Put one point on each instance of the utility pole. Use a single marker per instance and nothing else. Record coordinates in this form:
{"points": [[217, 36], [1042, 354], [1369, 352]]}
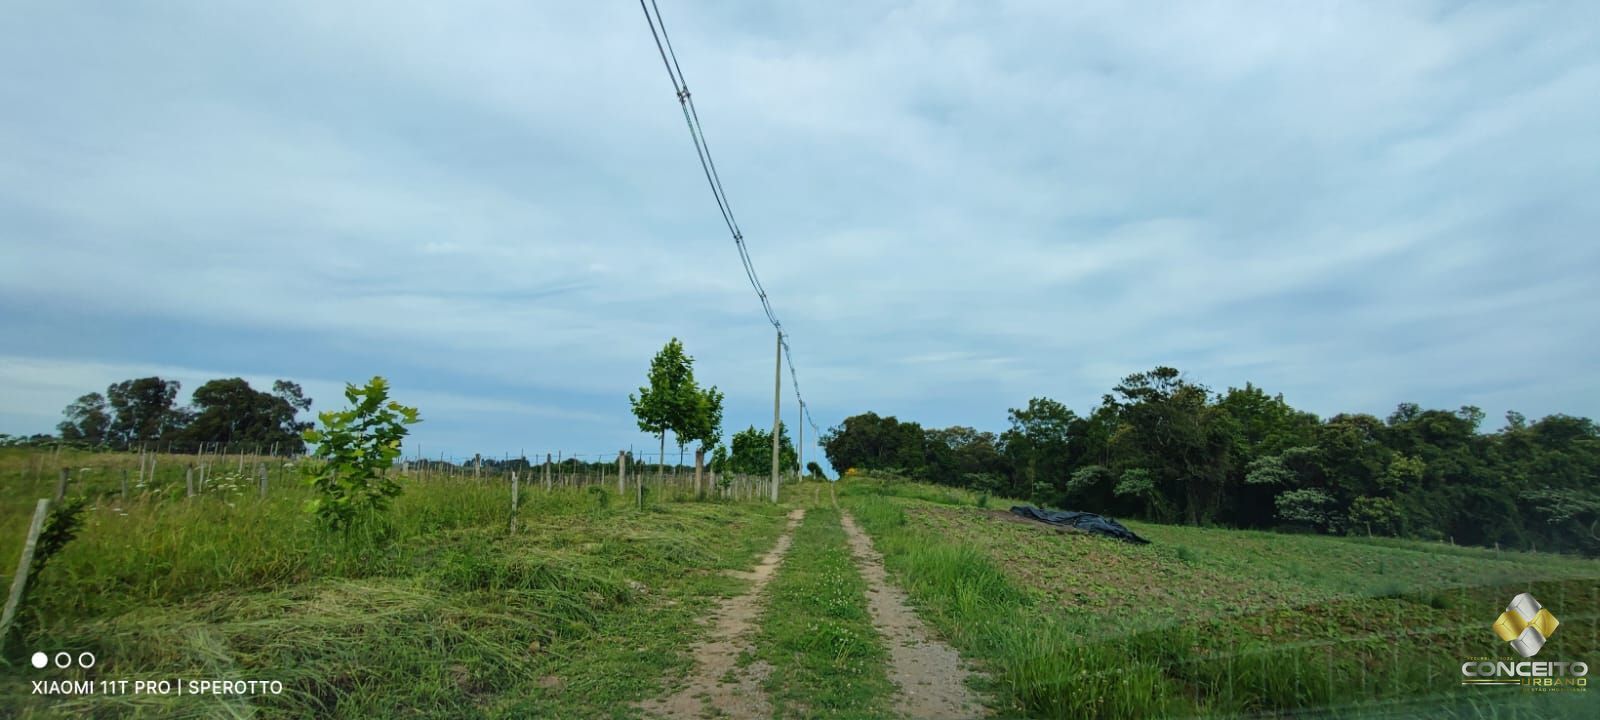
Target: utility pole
{"points": [[777, 388], [800, 445]]}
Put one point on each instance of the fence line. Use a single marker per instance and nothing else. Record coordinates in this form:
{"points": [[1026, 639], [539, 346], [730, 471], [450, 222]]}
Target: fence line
{"points": [[145, 470]]}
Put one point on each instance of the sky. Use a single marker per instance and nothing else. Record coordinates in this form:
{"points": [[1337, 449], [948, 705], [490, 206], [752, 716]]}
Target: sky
{"points": [[954, 206]]}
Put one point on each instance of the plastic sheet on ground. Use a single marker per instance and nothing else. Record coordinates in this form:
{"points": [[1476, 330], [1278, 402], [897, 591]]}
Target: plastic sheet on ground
{"points": [[1085, 521]]}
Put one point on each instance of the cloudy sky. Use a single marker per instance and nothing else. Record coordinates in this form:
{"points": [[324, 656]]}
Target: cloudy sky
{"points": [[955, 206]]}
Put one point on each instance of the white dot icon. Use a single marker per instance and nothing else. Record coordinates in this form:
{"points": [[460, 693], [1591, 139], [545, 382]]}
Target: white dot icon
{"points": [[40, 660]]}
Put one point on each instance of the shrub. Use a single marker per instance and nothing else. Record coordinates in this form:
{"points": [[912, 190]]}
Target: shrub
{"points": [[357, 446]]}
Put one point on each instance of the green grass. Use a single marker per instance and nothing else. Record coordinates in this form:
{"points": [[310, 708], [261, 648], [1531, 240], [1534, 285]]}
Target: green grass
{"points": [[827, 660], [439, 611], [1207, 621]]}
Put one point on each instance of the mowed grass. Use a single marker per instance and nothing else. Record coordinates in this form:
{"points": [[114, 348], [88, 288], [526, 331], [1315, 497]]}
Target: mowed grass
{"points": [[439, 611], [1220, 622], [826, 659]]}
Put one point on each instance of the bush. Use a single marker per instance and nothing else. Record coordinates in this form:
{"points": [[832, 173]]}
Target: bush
{"points": [[357, 447]]}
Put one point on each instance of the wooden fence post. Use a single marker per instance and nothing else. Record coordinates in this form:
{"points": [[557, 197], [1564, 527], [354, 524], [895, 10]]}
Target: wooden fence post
{"points": [[622, 473], [25, 564], [261, 471], [515, 492], [61, 484], [188, 480], [547, 472], [699, 467], [124, 484]]}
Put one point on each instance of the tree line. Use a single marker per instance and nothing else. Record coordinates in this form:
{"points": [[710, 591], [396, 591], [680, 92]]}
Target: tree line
{"points": [[227, 411], [1163, 448]]}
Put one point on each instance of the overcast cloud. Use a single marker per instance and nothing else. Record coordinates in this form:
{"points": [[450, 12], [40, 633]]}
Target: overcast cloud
{"points": [[955, 206]]}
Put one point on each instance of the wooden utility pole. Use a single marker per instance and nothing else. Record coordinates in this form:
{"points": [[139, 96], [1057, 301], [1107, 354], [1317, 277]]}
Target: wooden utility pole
{"points": [[777, 388], [800, 445]]}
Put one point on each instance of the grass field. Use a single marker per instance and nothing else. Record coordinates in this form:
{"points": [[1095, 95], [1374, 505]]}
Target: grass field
{"points": [[592, 605], [442, 613], [1205, 621]]}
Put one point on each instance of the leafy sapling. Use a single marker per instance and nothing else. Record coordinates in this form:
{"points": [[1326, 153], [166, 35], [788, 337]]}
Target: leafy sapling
{"points": [[356, 447]]}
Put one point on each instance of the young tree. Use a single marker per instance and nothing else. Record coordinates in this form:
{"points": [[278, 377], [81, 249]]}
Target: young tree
{"points": [[357, 447], [752, 452], [672, 400], [704, 424], [719, 459]]}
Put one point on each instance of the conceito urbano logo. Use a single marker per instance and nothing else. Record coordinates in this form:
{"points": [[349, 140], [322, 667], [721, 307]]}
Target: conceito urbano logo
{"points": [[1526, 625]]}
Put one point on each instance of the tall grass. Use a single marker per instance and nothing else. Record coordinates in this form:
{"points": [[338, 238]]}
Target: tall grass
{"points": [[436, 608], [1358, 655]]}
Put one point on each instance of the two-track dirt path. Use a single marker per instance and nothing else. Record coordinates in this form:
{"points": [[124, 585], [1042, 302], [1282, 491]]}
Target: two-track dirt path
{"points": [[717, 657], [929, 673]]}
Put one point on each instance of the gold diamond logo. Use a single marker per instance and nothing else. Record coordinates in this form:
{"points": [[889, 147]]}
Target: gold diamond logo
{"points": [[1526, 625]]}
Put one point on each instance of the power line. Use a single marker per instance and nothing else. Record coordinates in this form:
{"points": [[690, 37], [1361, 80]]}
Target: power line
{"points": [[691, 117]]}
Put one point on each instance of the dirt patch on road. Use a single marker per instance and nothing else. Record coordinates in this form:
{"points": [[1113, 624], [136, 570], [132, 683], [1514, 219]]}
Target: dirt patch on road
{"points": [[719, 687], [929, 673]]}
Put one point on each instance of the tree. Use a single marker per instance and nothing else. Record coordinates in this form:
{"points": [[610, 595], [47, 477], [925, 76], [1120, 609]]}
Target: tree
{"points": [[357, 446], [671, 401], [870, 442], [1039, 445], [229, 411], [1308, 506], [1169, 427], [752, 452], [87, 420], [143, 411], [705, 423], [291, 393], [815, 470], [951, 454]]}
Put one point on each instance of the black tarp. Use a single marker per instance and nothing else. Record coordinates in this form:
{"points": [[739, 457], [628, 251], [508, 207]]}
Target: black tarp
{"points": [[1087, 522]]}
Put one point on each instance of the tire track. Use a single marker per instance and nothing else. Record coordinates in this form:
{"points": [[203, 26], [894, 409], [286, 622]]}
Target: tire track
{"points": [[708, 693], [929, 673]]}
